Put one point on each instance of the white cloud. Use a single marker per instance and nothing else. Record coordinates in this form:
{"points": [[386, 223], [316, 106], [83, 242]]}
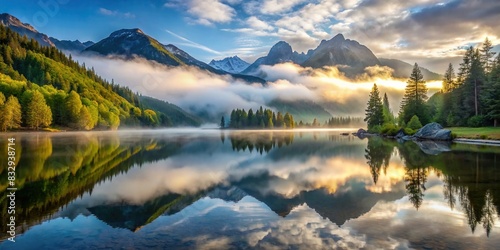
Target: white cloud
{"points": [[206, 12], [258, 24], [115, 13], [193, 44]]}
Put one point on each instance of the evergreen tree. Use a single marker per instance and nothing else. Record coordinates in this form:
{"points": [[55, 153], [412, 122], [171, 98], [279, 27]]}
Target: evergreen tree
{"points": [[223, 122], [387, 113], [38, 112], [279, 120], [487, 55], [449, 79], [414, 98], [374, 111], [493, 93]]}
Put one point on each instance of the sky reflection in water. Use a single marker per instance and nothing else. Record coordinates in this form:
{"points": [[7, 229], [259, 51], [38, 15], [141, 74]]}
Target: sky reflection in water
{"points": [[311, 190]]}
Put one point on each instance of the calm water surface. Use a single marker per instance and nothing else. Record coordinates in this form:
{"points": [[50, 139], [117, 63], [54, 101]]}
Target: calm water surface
{"points": [[211, 189]]}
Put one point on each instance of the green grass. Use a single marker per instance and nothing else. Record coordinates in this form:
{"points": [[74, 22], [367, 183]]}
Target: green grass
{"points": [[486, 133]]}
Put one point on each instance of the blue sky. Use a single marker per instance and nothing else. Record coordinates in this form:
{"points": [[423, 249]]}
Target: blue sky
{"points": [[430, 32]]}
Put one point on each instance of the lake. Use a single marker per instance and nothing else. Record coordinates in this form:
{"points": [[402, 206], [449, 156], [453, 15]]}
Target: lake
{"points": [[213, 189]]}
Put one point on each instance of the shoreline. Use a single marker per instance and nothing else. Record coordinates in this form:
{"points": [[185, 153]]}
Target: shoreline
{"points": [[477, 141]]}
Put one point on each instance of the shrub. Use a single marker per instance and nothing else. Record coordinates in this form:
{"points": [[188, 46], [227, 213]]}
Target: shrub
{"points": [[414, 123], [409, 131], [389, 129], [453, 136], [483, 137], [476, 121], [375, 129]]}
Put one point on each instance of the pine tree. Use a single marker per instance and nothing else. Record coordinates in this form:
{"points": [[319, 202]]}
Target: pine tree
{"points": [[374, 111], [449, 79], [487, 55], [414, 98], [493, 93], [38, 112], [223, 122]]}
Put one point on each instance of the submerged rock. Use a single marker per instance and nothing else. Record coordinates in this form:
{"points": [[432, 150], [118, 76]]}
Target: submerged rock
{"points": [[433, 131]]}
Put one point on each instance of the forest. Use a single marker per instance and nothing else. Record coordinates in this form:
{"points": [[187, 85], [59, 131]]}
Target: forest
{"points": [[41, 87], [470, 98]]}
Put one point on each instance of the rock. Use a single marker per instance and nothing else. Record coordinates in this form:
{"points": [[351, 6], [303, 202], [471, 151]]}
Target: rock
{"points": [[400, 134], [433, 147], [344, 134], [433, 131]]}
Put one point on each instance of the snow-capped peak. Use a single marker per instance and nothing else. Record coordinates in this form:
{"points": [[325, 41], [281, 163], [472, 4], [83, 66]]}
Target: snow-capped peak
{"points": [[233, 65]]}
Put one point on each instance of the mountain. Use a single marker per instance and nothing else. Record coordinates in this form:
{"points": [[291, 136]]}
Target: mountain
{"points": [[24, 29], [134, 43], [403, 69], [281, 52], [341, 51], [232, 65], [131, 43], [67, 45], [27, 30], [27, 69]]}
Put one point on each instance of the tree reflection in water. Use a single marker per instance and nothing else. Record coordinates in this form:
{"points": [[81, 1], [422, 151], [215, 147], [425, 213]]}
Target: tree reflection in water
{"points": [[470, 175]]}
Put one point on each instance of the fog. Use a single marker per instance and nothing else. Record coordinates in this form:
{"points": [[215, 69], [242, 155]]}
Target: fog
{"points": [[200, 91]]}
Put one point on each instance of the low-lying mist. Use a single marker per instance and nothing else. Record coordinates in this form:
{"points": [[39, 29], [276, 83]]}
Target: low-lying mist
{"points": [[200, 91]]}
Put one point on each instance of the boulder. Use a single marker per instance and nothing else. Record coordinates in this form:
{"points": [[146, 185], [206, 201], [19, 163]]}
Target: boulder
{"points": [[400, 134], [433, 131]]}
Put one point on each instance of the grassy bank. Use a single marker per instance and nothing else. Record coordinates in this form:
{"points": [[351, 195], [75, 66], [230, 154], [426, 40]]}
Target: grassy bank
{"points": [[487, 133]]}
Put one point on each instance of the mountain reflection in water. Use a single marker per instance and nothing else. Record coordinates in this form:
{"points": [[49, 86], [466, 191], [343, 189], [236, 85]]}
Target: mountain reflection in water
{"points": [[250, 189]]}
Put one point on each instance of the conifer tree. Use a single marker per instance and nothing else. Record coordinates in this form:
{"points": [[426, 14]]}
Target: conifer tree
{"points": [[374, 112], [414, 98], [449, 79]]}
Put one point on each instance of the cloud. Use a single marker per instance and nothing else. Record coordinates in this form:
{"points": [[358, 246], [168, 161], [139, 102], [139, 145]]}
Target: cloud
{"points": [[193, 44], [205, 12], [270, 7], [115, 13]]}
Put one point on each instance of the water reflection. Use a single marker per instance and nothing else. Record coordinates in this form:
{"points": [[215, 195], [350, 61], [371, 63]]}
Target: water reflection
{"points": [[288, 189]]}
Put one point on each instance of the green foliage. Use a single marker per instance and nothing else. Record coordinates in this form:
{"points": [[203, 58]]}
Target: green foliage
{"points": [[38, 112], [409, 131], [414, 123], [476, 121], [263, 118], [173, 115], [389, 129], [374, 111], [375, 129], [25, 66], [414, 98], [10, 113]]}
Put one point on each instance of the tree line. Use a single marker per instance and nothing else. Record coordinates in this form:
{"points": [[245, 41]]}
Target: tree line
{"points": [[262, 118], [470, 98]]}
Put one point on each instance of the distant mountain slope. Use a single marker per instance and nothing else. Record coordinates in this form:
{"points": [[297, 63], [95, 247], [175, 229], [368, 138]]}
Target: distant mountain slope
{"points": [[27, 30], [67, 45], [177, 116], [232, 65], [133, 43], [24, 29], [341, 51], [281, 52], [403, 69], [301, 110]]}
